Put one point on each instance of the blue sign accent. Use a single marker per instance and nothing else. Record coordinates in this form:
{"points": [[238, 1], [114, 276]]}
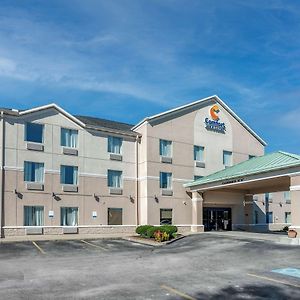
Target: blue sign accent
{"points": [[288, 272], [215, 126]]}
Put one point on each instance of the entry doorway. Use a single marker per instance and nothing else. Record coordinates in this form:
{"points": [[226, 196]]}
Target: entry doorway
{"points": [[216, 218]]}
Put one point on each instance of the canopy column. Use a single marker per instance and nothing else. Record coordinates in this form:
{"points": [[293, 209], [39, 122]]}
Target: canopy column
{"points": [[197, 212], [248, 209], [295, 203]]}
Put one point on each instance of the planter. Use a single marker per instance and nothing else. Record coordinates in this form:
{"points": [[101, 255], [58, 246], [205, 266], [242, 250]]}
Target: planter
{"points": [[292, 233]]}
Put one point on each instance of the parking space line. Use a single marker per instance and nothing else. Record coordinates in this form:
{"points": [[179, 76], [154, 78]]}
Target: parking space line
{"points": [[274, 280], [93, 245], [176, 292], [38, 247]]}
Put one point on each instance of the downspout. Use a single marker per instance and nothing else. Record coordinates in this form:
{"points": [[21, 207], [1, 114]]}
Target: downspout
{"points": [[137, 179], [2, 177]]}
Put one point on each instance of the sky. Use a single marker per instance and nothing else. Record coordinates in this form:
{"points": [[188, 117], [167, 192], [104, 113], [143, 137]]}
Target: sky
{"points": [[125, 60]]}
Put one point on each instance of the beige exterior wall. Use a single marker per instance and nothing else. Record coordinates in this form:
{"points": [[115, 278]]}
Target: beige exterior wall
{"points": [[185, 131], [92, 161], [141, 190]]}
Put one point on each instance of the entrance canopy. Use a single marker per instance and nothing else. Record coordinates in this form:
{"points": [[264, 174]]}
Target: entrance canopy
{"points": [[268, 173]]}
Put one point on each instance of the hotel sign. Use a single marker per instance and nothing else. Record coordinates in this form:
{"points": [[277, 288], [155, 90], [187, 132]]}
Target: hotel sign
{"points": [[213, 124]]}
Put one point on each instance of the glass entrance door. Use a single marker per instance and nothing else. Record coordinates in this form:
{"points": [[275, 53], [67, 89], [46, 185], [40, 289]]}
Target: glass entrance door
{"points": [[216, 218]]}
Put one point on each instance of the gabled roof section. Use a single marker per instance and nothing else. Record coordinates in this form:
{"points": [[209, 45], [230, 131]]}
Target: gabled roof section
{"points": [[256, 165], [173, 113], [54, 106], [83, 121], [97, 122]]}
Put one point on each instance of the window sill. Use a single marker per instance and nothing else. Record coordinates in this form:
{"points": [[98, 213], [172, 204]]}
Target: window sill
{"points": [[115, 191], [166, 159], [199, 164], [70, 188], [34, 186], [166, 192], [70, 151], [34, 146], [115, 156]]}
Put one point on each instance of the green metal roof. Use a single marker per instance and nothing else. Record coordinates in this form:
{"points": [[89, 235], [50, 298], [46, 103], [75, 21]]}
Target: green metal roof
{"points": [[256, 165]]}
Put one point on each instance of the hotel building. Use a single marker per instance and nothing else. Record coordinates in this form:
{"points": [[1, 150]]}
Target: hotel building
{"points": [[64, 174]]}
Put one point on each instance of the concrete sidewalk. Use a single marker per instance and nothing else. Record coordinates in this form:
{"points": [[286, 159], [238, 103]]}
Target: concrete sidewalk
{"points": [[272, 237]]}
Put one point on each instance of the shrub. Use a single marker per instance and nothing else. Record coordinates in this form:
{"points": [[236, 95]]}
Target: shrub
{"points": [[151, 230], [285, 228], [142, 230], [169, 229]]}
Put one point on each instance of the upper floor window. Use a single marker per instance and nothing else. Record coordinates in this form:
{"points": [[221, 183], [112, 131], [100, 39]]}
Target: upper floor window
{"points": [[269, 197], [33, 172], [69, 175], [199, 153], [34, 133], [227, 158], [69, 137], [114, 145], [114, 178], [165, 148], [165, 180], [287, 195]]}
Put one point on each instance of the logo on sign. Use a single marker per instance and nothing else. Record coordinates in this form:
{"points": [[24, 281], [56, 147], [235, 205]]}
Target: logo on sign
{"points": [[214, 113], [213, 124]]}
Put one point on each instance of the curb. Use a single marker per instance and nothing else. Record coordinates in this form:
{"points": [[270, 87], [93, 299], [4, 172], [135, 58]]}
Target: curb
{"points": [[150, 242]]}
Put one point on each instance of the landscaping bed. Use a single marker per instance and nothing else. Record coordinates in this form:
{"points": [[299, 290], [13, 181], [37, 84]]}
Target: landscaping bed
{"points": [[156, 235]]}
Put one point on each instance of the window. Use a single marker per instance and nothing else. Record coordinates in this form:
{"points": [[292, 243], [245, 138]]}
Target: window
{"points": [[69, 216], [165, 180], [269, 217], [114, 178], [165, 216], [114, 144], [196, 177], [269, 197], [288, 217], [33, 172], [33, 215], [69, 137], [287, 195], [115, 216], [199, 153], [34, 133], [251, 156], [227, 159], [165, 148], [255, 217], [69, 175]]}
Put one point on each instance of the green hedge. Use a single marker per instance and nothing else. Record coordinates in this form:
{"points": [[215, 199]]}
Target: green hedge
{"points": [[142, 229], [149, 230]]}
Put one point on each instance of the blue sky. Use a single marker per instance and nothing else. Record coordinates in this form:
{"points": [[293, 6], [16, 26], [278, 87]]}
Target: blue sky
{"points": [[125, 60]]}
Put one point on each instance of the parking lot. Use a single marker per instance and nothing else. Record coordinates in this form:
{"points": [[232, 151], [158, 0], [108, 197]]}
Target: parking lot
{"points": [[206, 266]]}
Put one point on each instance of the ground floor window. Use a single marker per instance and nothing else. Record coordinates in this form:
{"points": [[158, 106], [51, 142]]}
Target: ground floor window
{"points": [[269, 217], [69, 216], [165, 216], [33, 215], [115, 216], [255, 217], [288, 217]]}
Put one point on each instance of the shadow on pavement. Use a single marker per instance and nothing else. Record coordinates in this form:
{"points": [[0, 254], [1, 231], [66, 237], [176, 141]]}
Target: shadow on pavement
{"points": [[251, 292]]}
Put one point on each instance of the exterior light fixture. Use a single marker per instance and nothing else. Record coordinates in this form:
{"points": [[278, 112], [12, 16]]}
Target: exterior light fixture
{"points": [[156, 199]]}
